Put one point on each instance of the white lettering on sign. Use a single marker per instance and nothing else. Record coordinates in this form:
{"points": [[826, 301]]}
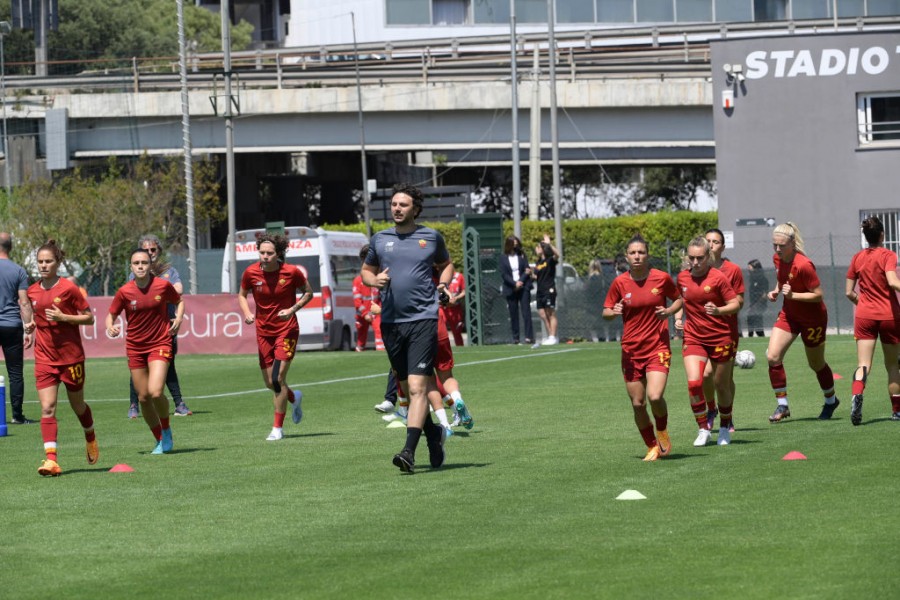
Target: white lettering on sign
{"points": [[828, 63]]}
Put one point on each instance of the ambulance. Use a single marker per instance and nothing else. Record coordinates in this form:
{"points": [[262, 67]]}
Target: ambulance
{"points": [[330, 261]]}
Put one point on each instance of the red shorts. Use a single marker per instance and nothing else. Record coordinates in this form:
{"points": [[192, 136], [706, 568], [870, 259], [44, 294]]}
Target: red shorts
{"points": [[277, 347], [50, 375], [721, 353], [635, 368], [872, 329], [140, 360], [811, 332], [444, 360]]}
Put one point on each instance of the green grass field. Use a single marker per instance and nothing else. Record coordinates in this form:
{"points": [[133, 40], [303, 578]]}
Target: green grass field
{"points": [[525, 507]]}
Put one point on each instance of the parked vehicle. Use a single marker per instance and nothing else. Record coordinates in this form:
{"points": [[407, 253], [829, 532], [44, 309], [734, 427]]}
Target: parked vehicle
{"points": [[330, 261]]}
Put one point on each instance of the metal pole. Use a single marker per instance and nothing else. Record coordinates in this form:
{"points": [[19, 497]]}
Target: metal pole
{"points": [[362, 133], [4, 29], [229, 146], [554, 135], [534, 167], [514, 87], [188, 163]]}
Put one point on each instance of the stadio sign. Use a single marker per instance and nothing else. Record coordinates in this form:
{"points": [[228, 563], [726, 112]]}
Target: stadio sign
{"points": [[825, 63]]}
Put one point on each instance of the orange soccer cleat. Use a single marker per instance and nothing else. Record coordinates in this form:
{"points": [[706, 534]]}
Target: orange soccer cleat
{"points": [[49, 468]]}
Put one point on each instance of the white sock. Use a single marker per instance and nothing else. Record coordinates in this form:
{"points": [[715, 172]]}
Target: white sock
{"points": [[456, 395], [442, 417], [782, 401]]}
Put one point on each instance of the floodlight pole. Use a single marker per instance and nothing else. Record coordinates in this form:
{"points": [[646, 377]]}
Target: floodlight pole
{"points": [[514, 85], [229, 147], [554, 134], [5, 28], [362, 133], [188, 163]]}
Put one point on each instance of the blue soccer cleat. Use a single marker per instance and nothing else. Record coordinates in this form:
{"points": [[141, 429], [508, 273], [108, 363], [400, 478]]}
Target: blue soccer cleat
{"points": [[465, 418], [297, 408], [166, 441]]}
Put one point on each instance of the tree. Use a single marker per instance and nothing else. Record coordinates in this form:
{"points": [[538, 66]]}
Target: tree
{"points": [[107, 30], [661, 188], [97, 220]]}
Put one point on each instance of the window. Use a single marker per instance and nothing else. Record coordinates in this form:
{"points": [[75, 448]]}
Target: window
{"points": [[884, 8], [878, 116], [488, 12], [851, 8], [531, 11], [450, 12], [655, 11], [407, 12], [769, 10], [891, 221], [728, 10], [694, 10], [574, 11], [615, 11], [811, 9]]}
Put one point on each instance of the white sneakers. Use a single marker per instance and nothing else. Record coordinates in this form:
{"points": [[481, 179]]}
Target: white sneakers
{"points": [[724, 437], [702, 437], [384, 407], [277, 434], [550, 341]]}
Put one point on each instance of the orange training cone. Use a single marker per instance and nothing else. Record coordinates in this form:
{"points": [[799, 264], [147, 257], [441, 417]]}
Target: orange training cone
{"points": [[794, 456], [121, 468]]}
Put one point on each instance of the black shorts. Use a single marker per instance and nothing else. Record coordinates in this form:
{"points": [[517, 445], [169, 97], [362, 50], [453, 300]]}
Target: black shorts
{"points": [[411, 347], [546, 300]]}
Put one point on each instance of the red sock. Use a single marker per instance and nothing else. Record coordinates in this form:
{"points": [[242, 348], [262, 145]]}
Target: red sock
{"points": [[826, 381], [778, 378], [49, 430], [440, 387], [857, 387], [279, 419], [895, 403], [290, 394], [87, 423], [164, 422], [648, 435], [711, 404], [157, 432], [699, 409]]}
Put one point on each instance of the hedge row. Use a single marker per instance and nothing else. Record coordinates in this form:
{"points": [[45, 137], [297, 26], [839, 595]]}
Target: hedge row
{"points": [[587, 239]]}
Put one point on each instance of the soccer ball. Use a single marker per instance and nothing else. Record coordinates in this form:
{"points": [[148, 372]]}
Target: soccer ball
{"points": [[745, 359]]}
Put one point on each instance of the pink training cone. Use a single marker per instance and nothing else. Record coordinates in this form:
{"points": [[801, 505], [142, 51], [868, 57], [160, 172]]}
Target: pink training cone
{"points": [[121, 468], [794, 456], [836, 376]]}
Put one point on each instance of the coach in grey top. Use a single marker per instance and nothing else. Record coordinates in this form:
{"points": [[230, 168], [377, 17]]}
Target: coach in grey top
{"points": [[16, 325], [402, 262]]}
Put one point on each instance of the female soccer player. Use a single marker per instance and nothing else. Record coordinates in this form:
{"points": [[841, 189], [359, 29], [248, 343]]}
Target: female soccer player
{"points": [[59, 309], [274, 284], [708, 299], [639, 296], [803, 313], [148, 345], [871, 285], [716, 240]]}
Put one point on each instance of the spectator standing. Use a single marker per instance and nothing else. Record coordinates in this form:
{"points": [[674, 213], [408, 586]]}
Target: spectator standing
{"points": [[16, 326], [545, 273], [757, 294], [517, 280]]}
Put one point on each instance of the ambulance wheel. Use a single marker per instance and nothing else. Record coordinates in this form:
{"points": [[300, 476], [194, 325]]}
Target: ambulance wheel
{"points": [[345, 340]]}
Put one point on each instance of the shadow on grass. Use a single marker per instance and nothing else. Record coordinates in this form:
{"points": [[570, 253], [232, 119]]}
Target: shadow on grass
{"points": [[452, 466], [308, 435], [180, 451], [84, 470]]}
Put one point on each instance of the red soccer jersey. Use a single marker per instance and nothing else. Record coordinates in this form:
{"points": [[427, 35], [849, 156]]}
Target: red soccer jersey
{"points": [[273, 292], [146, 311], [700, 327], [643, 332], [735, 277], [57, 343], [877, 300], [801, 274], [457, 286]]}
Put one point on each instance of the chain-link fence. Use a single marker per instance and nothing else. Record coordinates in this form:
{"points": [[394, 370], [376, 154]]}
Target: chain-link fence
{"points": [[580, 297]]}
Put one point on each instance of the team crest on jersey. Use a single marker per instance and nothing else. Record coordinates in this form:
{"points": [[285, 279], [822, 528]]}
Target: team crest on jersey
{"points": [[707, 289], [166, 276], [790, 276], [422, 243], [57, 300], [282, 281], [655, 291], [157, 297]]}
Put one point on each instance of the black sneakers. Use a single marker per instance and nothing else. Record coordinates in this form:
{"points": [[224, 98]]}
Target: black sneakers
{"points": [[856, 409], [828, 410], [405, 461], [22, 420]]}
